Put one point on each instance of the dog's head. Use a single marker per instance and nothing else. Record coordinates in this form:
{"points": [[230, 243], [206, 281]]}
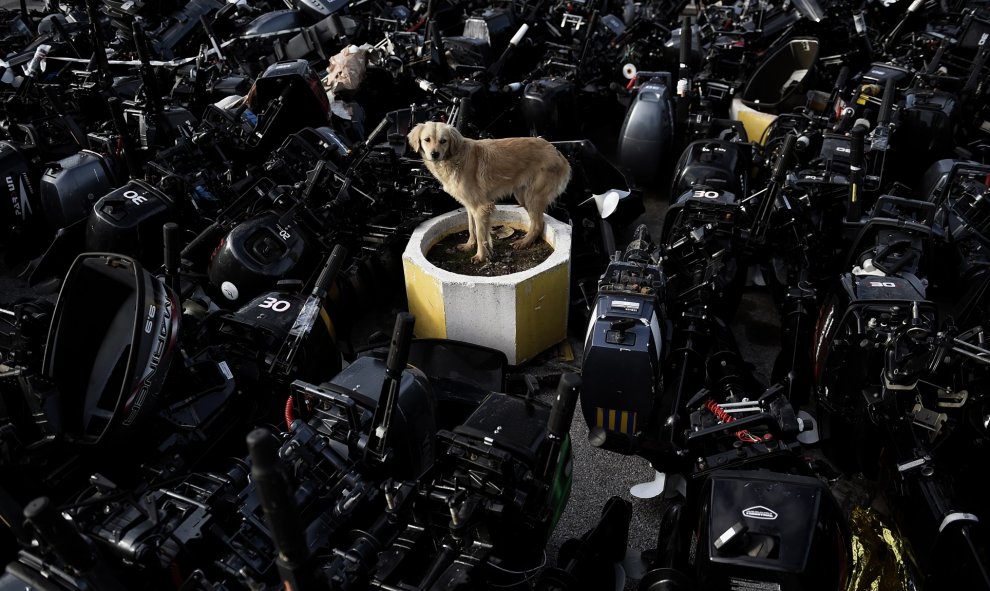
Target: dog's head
{"points": [[435, 141]]}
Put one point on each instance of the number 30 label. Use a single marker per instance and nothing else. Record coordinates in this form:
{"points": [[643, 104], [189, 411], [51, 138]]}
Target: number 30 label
{"points": [[275, 304]]}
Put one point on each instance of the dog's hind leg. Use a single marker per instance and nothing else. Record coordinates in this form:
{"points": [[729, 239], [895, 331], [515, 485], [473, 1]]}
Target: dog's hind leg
{"points": [[534, 205], [472, 239], [482, 231]]}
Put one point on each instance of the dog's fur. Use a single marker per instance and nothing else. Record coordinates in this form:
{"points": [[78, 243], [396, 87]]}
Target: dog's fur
{"points": [[477, 173]]}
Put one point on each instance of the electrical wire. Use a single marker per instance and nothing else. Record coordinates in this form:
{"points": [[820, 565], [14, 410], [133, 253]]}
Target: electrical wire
{"points": [[529, 573]]}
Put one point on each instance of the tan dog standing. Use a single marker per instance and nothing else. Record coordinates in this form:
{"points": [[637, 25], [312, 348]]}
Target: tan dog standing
{"points": [[477, 173]]}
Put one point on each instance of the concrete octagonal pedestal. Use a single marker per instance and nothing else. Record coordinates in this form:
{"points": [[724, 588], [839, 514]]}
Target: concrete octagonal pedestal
{"points": [[520, 314]]}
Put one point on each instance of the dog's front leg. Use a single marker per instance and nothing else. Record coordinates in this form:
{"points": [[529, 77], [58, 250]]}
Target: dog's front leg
{"points": [[471, 235], [482, 231]]}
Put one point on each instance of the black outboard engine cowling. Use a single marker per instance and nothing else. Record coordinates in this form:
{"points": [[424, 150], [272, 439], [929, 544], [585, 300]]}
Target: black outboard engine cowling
{"points": [[700, 235], [864, 311], [549, 108], [778, 85], [18, 206], [320, 9], [288, 96], [628, 330], [129, 221], [414, 421], [647, 135], [719, 164], [258, 253], [880, 303], [625, 333], [111, 342], [70, 186], [926, 127], [768, 530], [275, 313]]}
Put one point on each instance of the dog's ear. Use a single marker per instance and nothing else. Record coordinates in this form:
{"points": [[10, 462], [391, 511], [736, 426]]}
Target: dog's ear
{"points": [[413, 136], [456, 140]]}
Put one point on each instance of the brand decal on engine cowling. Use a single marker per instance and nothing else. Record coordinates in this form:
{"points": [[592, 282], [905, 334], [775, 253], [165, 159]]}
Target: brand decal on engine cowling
{"points": [[166, 332], [760, 512], [19, 198], [825, 321], [626, 305]]}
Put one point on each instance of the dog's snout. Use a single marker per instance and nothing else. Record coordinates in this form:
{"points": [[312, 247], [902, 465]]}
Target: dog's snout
{"points": [[434, 154]]}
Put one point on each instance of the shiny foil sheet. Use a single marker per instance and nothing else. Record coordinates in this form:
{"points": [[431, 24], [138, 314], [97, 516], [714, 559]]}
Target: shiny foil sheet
{"points": [[882, 558]]}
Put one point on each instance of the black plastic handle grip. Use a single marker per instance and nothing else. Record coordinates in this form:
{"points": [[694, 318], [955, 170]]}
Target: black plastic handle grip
{"points": [[137, 30], [141, 47], [842, 78], [313, 180], [780, 171], [99, 47], [398, 351], [170, 238], [889, 93], [856, 146], [562, 412], [280, 509], [330, 270], [685, 42], [116, 108], [976, 71]]}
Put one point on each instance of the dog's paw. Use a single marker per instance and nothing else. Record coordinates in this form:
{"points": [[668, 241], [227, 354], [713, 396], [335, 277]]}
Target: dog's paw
{"points": [[478, 259], [466, 246], [522, 243]]}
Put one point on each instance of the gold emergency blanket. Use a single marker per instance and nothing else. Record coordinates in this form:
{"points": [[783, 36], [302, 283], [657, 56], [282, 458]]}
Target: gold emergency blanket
{"points": [[882, 560]]}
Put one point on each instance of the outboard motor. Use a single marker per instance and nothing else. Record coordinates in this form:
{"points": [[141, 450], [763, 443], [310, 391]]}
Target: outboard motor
{"points": [[646, 139], [258, 253], [288, 96], [70, 186], [129, 221], [19, 206], [927, 124], [319, 9], [778, 85], [701, 237], [958, 188], [414, 419], [866, 308], [111, 341], [549, 108], [628, 330], [717, 164], [275, 314], [770, 530], [269, 24]]}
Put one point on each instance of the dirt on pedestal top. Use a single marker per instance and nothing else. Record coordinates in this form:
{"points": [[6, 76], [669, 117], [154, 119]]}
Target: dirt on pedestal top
{"points": [[504, 259]]}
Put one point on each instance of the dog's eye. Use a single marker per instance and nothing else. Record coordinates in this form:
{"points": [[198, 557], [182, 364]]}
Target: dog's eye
{"points": [[443, 141], [427, 140]]}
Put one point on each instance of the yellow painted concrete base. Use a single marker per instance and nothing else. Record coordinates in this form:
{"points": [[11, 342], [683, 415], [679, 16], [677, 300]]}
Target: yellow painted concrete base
{"points": [[521, 314]]}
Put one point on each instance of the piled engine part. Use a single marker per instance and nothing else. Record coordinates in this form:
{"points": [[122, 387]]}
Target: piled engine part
{"points": [[205, 209], [402, 500]]}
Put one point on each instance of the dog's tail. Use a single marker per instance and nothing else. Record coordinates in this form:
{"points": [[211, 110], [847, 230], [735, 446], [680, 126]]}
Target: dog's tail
{"points": [[562, 168]]}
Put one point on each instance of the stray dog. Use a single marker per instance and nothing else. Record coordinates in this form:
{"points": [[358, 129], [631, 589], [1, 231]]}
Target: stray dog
{"points": [[477, 173]]}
